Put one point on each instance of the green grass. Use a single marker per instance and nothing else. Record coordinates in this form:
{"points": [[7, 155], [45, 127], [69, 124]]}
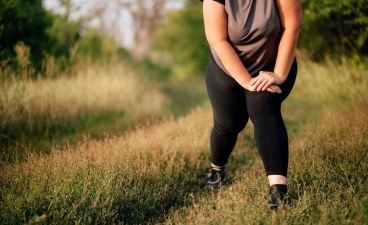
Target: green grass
{"points": [[154, 173]]}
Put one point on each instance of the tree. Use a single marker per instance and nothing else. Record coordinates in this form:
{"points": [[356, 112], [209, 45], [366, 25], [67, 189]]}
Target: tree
{"points": [[181, 36], [24, 21], [337, 28], [65, 35], [145, 17]]}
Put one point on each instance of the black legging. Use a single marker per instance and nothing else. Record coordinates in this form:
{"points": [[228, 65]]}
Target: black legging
{"points": [[232, 106]]}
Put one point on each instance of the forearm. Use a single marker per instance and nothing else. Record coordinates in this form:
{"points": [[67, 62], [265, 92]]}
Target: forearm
{"points": [[231, 62], [286, 53], [290, 12], [216, 22]]}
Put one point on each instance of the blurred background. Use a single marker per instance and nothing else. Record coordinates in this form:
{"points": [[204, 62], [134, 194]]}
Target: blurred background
{"points": [[74, 67]]}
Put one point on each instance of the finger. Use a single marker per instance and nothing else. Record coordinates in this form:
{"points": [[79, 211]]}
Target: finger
{"points": [[267, 85], [263, 85], [257, 81], [272, 87], [253, 81], [263, 81], [251, 89], [272, 90], [276, 88], [260, 77]]}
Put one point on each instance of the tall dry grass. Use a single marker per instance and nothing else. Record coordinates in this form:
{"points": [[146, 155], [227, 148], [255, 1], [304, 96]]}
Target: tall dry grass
{"points": [[331, 83], [96, 89], [155, 173], [49, 106]]}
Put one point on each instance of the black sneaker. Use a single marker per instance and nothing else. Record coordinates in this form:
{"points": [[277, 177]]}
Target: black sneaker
{"points": [[215, 177], [276, 196]]}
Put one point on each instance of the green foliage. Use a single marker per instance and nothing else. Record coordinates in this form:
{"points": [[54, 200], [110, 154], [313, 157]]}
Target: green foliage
{"points": [[64, 33], [96, 45], [335, 28], [332, 28], [24, 21], [92, 44], [181, 40], [50, 39]]}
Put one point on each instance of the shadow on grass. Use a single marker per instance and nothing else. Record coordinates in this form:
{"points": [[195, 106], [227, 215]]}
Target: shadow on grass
{"points": [[41, 139]]}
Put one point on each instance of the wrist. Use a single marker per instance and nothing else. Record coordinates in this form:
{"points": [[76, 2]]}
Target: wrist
{"points": [[244, 80], [280, 78]]}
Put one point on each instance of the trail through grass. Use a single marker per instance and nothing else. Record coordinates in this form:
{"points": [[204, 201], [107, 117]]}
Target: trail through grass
{"points": [[38, 112], [155, 173]]}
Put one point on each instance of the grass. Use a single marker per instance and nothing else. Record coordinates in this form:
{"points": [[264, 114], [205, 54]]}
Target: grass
{"points": [[143, 180], [88, 98], [327, 181], [153, 174], [45, 109]]}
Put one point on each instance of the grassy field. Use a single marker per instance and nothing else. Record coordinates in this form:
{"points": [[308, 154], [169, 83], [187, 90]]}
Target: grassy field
{"points": [[36, 113], [154, 174]]}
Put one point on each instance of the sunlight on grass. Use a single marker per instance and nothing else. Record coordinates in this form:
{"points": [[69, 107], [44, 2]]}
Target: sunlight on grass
{"points": [[327, 181], [155, 172], [46, 107]]}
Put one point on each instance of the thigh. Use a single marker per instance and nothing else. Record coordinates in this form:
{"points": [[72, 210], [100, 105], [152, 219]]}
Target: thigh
{"points": [[227, 98]]}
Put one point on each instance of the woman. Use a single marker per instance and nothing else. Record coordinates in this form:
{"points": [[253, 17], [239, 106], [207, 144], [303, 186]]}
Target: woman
{"points": [[251, 71]]}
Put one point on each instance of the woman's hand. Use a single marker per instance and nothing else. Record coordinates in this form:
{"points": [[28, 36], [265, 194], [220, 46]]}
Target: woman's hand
{"points": [[271, 88], [265, 80]]}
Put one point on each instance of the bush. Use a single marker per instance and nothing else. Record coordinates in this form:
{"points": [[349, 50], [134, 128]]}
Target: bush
{"points": [[181, 40], [27, 22], [335, 28]]}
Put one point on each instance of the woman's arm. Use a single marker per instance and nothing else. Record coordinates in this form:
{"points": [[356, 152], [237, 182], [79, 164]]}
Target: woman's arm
{"points": [[215, 22], [290, 12], [291, 19]]}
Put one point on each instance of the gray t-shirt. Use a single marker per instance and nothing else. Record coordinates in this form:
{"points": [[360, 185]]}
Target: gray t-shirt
{"points": [[254, 31]]}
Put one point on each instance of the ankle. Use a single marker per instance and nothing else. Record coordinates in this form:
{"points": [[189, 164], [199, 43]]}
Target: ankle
{"points": [[277, 179], [213, 166]]}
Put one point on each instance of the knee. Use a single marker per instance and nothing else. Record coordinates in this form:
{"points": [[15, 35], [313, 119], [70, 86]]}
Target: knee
{"points": [[264, 103], [233, 129]]}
